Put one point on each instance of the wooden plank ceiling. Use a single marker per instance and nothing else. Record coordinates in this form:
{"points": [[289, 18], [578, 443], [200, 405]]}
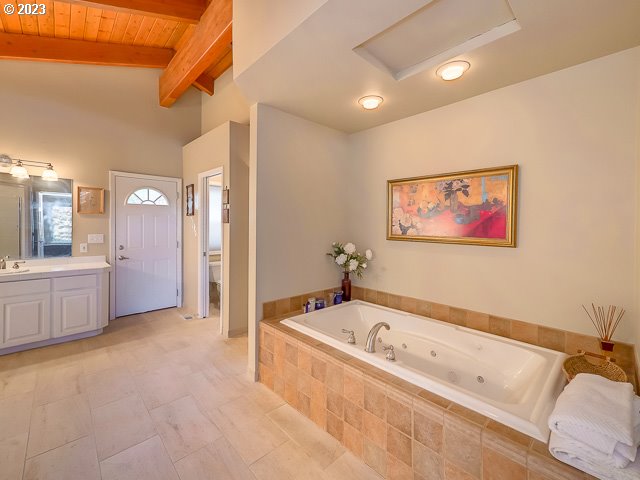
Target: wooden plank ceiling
{"points": [[189, 39]]}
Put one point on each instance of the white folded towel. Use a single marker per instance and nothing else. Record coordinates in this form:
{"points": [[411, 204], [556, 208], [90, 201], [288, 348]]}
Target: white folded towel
{"points": [[562, 449], [596, 412]]}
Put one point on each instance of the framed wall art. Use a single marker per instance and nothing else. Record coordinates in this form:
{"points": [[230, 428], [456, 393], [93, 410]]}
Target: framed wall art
{"points": [[90, 200], [189, 200], [476, 207]]}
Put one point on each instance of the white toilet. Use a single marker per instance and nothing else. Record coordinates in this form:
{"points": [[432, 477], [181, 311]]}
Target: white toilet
{"points": [[215, 274]]}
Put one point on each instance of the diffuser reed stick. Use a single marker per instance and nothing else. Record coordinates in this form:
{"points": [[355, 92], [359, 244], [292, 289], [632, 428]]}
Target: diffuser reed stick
{"points": [[605, 321]]}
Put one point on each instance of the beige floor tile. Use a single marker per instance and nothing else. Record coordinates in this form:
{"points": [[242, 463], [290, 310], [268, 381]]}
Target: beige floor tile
{"points": [[318, 444], [250, 432], [59, 382], [211, 394], [12, 453], [161, 386], [348, 467], [145, 461], [15, 415], [287, 462], [263, 398], [120, 425], [17, 382], [98, 361], [218, 461], [75, 460], [143, 357], [108, 386], [57, 423], [183, 428]]}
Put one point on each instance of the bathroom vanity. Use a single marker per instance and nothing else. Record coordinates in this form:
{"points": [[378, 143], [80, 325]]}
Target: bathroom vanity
{"points": [[52, 301]]}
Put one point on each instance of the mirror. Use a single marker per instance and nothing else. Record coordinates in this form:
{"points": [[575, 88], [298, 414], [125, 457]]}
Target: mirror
{"points": [[35, 217]]}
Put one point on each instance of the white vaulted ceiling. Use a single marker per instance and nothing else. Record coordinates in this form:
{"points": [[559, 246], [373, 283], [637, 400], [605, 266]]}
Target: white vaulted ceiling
{"points": [[347, 49]]}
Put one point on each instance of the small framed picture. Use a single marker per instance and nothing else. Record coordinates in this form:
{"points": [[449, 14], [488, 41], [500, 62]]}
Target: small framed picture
{"points": [[189, 197], [90, 200]]}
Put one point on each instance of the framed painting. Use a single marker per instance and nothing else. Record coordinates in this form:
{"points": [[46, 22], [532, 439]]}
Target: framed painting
{"points": [[190, 200], [476, 207], [90, 200]]}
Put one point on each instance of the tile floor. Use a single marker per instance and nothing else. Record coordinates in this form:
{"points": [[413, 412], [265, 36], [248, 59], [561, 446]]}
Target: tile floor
{"points": [[155, 397]]}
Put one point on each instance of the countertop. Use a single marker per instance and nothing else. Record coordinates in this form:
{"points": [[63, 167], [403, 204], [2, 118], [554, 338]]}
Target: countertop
{"points": [[51, 268]]}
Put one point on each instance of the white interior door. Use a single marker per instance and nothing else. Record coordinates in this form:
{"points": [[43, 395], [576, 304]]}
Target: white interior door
{"points": [[146, 244]]}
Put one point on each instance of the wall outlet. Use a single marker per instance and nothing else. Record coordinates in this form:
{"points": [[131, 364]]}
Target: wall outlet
{"points": [[84, 248], [96, 238]]}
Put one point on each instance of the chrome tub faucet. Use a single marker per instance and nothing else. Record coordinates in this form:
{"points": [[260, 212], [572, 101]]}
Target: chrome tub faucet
{"points": [[373, 333], [3, 262]]}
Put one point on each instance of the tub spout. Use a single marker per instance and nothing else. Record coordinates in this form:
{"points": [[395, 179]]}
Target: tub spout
{"points": [[373, 334]]}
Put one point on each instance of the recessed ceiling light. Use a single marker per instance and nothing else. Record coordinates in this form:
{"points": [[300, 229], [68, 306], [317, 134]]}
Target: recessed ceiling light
{"points": [[370, 102], [452, 70]]}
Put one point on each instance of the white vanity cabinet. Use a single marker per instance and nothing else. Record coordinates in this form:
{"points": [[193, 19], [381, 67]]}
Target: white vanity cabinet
{"points": [[25, 312], [52, 305], [75, 305]]}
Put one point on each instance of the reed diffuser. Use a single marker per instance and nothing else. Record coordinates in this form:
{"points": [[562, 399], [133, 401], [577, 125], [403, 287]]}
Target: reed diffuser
{"points": [[606, 321]]}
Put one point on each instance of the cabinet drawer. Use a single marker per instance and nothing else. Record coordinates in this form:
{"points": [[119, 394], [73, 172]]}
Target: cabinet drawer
{"points": [[74, 283], [25, 287]]}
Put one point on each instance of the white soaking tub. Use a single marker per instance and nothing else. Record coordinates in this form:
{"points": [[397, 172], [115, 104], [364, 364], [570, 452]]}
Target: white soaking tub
{"points": [[511, 382]]}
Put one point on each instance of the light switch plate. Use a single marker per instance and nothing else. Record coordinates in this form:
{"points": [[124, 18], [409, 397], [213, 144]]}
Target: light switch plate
{"points": [[84, 248], [96, 238]]}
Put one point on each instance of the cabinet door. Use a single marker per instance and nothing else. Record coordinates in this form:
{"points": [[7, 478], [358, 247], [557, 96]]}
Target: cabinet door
{"points": [[74, 311], [25, 319]]}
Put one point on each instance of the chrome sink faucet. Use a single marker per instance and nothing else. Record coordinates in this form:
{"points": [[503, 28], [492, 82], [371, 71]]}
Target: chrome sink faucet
{"points": [[3, 262], [373, 333]]}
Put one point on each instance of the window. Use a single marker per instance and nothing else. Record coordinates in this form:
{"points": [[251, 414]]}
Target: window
{"points": [[147, 196]]}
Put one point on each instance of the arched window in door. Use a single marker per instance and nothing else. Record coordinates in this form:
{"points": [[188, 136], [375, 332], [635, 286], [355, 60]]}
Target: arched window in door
{"points": [[148, 196]]}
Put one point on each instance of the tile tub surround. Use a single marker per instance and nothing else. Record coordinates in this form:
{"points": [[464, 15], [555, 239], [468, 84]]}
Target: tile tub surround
{"points": [[552, 338], [398, 429]]}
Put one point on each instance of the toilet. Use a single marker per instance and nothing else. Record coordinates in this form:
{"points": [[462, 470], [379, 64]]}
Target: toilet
{"points": [[215, 276]]}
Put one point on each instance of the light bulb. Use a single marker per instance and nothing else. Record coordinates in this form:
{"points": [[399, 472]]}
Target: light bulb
{"points": [[452, 70], [370, 102], [50, 174], [19, 171]]}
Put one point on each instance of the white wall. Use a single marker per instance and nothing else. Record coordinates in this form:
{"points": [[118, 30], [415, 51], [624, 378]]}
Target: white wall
{"points": [[226, 104], [259, 24], [87, 120], [298, 194], [226, 146], [575, 135]]}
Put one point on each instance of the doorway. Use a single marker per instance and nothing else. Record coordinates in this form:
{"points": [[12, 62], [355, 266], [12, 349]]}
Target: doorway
{"points": [[210, 285], [145, 246]]}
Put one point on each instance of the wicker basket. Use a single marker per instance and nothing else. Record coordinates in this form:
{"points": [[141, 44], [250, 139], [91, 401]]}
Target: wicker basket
{"points": [[579, 364]]}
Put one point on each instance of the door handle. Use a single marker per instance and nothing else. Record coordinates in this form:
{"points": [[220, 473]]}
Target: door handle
{"points": [[122, 257]]}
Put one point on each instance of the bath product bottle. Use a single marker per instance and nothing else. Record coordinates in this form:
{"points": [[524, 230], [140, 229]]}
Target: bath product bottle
{"points": [[311, 305], [337, 298], [319, 303]]}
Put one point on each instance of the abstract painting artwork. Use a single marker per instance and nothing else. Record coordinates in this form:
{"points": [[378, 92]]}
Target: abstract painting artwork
{"points": [[476, 207]]}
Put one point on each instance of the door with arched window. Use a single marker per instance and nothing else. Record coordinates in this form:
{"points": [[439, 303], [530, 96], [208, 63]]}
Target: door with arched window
{"points": [[146, 243]]}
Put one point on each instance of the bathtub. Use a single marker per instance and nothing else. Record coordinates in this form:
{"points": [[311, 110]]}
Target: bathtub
{"points": [[511, 382]]}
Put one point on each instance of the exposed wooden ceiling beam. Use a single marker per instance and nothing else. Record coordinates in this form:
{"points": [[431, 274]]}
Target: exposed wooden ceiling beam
{"points": [[186, 11], [205, 83], [207, 46], [47, 49], [219, 68]]}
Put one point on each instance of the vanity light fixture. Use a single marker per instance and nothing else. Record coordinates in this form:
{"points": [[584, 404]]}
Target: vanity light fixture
{"points": [[370, 102], [452, 70], [49, 174], [18, 169]]}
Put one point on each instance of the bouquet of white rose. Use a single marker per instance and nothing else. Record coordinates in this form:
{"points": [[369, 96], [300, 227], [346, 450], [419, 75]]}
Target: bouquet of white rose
{"points": [[348, 259]]}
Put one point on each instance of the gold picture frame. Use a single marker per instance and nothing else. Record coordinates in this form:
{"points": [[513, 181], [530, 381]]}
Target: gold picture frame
{"points": [[473, 207], [90, 200]]}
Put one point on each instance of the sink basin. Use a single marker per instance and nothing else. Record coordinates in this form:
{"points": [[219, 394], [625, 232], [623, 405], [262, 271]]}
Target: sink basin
{"points": [[10, 271]]}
